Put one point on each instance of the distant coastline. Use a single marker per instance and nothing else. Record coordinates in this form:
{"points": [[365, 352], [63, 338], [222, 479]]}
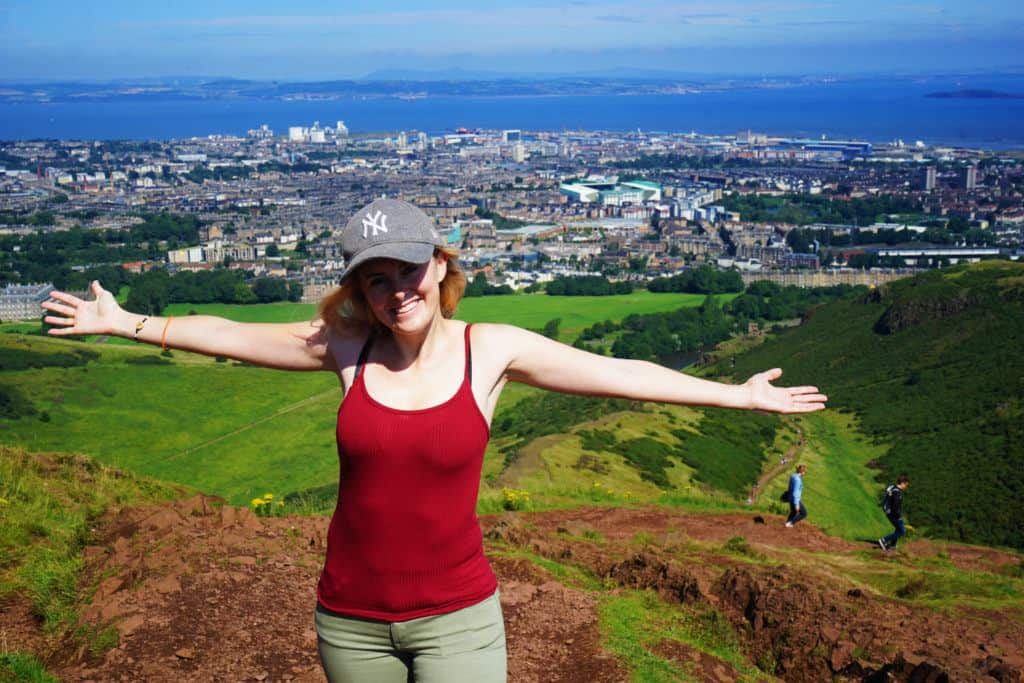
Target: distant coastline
{"points": [[842, 109], [975, 94]]}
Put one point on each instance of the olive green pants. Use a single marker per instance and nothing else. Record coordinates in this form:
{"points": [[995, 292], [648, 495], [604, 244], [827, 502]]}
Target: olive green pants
{"points": [[466, 645]]}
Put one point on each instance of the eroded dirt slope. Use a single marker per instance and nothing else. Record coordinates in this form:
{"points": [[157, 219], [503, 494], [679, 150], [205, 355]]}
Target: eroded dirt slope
{"points": [[203, 592]]}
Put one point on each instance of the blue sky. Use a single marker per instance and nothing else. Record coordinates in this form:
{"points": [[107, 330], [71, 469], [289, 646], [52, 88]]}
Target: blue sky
{"points": [[302, 40]]}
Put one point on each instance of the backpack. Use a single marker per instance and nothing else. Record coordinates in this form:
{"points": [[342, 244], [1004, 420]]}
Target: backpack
{"points": [[886, 501]]}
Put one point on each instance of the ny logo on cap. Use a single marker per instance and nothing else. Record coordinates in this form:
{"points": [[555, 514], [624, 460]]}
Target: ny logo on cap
{"points": [[378, 222]]}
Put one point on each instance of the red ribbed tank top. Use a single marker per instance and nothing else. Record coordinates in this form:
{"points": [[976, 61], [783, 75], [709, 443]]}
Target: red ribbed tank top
{"points": [[405, 541]]}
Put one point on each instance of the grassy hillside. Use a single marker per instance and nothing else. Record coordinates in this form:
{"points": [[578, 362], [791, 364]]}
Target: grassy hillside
{"points": [[525, 310], [225, 428], [48, 504], [932, 369]]}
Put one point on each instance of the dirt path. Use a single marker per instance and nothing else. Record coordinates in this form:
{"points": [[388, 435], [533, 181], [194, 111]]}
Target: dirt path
{"points": [[786, 463]]}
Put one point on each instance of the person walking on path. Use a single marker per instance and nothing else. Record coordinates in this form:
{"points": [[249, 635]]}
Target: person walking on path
{"points": [[406, 593], [797, 511], [892, 505]]}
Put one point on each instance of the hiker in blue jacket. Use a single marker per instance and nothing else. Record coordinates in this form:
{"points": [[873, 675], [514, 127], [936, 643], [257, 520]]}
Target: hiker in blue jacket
{"points": [[797, 511]]}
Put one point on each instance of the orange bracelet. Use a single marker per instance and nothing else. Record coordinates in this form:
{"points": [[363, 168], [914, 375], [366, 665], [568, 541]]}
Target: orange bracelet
{"points": [[163, 337]]}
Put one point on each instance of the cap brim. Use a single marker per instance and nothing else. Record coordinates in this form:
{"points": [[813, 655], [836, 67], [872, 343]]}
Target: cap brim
{"points": [[410, 252]]}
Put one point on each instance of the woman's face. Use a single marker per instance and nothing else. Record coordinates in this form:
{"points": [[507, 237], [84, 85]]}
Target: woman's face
{"points": [[404, 297]]}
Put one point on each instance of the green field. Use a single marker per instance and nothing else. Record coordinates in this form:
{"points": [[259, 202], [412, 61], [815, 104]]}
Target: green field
{"points": [[257, 431], [525, 310]]}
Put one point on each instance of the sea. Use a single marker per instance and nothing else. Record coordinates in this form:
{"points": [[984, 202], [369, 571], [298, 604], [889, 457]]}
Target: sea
{"points": [[875, 110]]}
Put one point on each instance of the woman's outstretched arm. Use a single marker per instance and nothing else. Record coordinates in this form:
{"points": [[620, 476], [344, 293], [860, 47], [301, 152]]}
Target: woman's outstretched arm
{"points": [[287, 346], [538, 361]]}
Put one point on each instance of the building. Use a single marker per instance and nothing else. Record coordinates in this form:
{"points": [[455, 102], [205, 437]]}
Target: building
{"points": [[510, 136], [21, 302], [519, 152], [967, 177], [608, 191], [926, 181]]}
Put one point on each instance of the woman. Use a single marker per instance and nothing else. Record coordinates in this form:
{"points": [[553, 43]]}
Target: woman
{"points": [[406, 591]]}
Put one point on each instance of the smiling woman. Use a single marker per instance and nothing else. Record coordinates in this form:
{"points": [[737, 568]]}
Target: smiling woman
{"points": [[406, 592]]}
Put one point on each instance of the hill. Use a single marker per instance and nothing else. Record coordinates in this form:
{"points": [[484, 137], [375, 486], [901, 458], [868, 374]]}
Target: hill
{"points": [[931, 368], [591, 594], [204, 423]]}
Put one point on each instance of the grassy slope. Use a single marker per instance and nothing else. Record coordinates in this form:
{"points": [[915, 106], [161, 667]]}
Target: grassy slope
{"points": [[525, 310], [144, 417], [944, 394], [47, 506], [839, 489]]}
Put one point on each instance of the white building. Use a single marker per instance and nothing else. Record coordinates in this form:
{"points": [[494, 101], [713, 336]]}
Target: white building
{"points": [[21, 302]]}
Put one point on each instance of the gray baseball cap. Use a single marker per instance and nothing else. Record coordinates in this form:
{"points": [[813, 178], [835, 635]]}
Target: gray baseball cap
{"points": [[388, 228]]}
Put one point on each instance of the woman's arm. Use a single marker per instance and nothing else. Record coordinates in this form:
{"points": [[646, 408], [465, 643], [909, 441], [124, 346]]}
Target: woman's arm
{"points": [[287, 346], [538, 361]]}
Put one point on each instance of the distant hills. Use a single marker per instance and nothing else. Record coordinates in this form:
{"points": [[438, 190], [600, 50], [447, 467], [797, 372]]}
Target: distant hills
{"points": [[931, 366]]}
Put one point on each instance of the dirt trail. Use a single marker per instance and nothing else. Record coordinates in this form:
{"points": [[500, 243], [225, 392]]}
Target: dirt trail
{"points": [[203, 592], [787, 461]]}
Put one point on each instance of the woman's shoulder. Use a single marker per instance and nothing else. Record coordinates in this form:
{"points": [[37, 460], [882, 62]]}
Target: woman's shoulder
{"points": [[346, 342]]}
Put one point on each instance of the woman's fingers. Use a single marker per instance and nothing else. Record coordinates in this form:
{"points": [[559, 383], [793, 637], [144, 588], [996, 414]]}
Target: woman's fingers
{"points": [[70, 299], [61, 331], [54, 320], [59, 308]]}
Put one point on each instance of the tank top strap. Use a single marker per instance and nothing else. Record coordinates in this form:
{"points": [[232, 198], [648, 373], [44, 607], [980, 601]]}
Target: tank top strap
{"points": [[364, 353], [469, 356]]}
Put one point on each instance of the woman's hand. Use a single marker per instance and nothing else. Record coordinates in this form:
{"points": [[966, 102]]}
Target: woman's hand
{"points": [[764, 396], [76, 316]]}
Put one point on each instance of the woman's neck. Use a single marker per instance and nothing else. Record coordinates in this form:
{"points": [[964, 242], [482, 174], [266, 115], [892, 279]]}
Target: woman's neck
{"points": [[412, 349]]}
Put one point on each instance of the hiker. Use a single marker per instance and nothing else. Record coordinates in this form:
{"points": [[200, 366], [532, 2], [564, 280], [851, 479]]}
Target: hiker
{"points": [[797, 510], [406, 592], [892, 506]]}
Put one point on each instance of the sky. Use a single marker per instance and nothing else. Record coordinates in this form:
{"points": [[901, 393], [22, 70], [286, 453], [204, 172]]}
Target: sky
{"points": [[300, 40]]}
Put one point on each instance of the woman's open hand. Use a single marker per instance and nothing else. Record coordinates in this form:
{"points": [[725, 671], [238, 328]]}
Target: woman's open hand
{"points": [[77, 316], [764, 396]]}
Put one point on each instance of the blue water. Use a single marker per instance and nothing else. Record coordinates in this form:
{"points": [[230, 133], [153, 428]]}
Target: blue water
{"points": [[878, 111]]}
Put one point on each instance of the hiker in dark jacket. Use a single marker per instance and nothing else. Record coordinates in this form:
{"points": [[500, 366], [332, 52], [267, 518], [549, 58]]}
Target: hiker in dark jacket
{"points": [[894, 503], [797, 511]]}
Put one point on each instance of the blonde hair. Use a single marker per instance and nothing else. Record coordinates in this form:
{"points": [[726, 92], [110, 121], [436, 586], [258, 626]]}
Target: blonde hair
{"points": [[345, 307]]}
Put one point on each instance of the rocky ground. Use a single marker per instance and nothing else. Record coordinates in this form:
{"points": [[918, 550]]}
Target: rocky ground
{"points": [[203, 592]]}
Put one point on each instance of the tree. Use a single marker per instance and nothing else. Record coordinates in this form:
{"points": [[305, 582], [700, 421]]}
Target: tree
{"points": [[268, 289], [273, 251]]}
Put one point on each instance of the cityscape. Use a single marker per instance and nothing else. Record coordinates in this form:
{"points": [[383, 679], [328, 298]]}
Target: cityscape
{"points": [[525, 206]]}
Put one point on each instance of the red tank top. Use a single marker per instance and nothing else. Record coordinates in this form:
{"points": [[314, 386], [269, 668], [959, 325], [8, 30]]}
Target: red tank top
{"points": [[405, 541]]}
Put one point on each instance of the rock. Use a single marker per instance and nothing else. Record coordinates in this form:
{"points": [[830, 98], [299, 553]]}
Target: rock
{"points": [[248, 520], [163, 520], [167, 585], [185, 653], [515, 593], [130, 625], [228, 516], [645, 570], [108, 587]]}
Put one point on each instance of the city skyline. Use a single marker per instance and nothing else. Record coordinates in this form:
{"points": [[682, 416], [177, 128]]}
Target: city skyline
{"points": [[314, 41]]}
